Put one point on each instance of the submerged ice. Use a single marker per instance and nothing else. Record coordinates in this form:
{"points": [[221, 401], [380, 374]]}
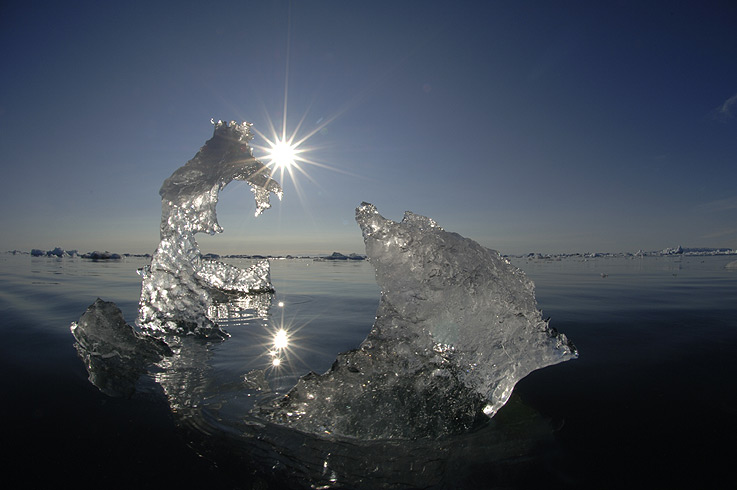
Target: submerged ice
{"points": [[113, 352], [178, 286], [456, 328]]}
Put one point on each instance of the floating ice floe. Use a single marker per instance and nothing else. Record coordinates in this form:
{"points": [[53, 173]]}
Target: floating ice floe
{"points": [[114, 354], [456, 328]]}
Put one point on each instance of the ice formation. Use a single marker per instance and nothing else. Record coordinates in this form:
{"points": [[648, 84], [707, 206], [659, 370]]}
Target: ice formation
{"points": [[456, 328], [178, 286], [114, 354]]}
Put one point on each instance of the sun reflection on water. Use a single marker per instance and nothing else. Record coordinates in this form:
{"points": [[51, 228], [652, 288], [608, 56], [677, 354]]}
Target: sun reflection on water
{"points": [[281, 346], [266, 344], [280, 340]]}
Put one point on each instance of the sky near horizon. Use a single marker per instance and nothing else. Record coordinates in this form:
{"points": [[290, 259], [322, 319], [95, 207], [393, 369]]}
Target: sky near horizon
{"points": [[526, 126]]}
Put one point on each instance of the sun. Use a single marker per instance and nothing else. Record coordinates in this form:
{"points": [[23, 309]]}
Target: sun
{"points": [[287, 150], [282, 155], [286, 153]]}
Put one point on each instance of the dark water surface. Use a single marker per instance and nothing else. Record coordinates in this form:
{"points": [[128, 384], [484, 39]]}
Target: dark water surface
{"points": [[650, 403]]}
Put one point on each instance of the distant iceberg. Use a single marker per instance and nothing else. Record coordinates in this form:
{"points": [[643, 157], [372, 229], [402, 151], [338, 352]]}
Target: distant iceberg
{"points": [[340, 256], [101, 255], [60, 253], [672, 251], [56, 252]]}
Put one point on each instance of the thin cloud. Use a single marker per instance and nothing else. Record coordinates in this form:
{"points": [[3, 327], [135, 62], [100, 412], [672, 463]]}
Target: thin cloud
{"points": [[728, 109], [719, 205]]}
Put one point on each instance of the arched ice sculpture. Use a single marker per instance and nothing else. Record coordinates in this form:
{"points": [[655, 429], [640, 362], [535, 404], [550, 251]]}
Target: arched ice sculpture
{"points": [[178, 285]]}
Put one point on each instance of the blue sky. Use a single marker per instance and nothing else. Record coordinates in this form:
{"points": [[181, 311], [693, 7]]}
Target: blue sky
{"points": [[527, 126]]}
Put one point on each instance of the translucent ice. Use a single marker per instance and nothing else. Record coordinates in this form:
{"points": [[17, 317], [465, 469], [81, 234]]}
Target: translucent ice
{"points": [[113, 352], [178, 286], [456, 328]]}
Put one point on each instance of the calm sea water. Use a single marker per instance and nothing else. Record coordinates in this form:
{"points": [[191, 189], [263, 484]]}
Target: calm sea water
{"points": [[651, 402]]}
